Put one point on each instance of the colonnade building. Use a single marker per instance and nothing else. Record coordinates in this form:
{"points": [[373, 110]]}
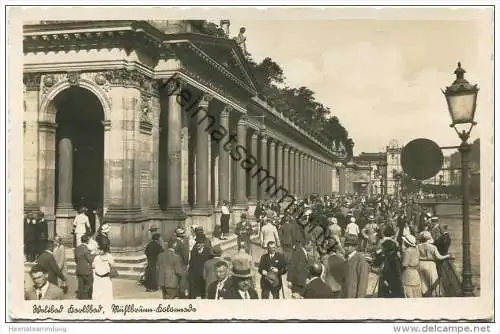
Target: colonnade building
{"points": [[154, 123]]}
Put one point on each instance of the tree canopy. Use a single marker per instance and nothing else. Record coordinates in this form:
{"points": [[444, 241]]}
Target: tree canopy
{"points": [[299, 105]]}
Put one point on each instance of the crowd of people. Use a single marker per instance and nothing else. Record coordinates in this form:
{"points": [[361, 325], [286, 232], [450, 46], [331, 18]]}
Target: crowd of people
{"points": [[317, 247], [94, 262]]}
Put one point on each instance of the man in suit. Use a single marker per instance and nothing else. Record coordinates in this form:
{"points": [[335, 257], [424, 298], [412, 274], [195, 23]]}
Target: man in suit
{"points": [[286, 238], [47, 261], [83, 260], [200, 254], [209, 270], [217, 288], [297, 269], [316, 288], [357, 269], [182, 247], [334, 273], [241, 280], [272, 266], [171, 272], [42, 289]]}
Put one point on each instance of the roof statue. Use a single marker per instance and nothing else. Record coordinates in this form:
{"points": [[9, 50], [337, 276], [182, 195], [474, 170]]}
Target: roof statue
{"points": [[241, 40]]}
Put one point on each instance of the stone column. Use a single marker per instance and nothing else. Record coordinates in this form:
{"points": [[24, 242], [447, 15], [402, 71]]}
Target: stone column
{"points": [[241, 175], [202, 171], [174, 162], [31, 149], [286, 170], [310, 175], [279, 165], [272, 184], [297, 172], [224, 158], [65, 170], [264, 164], [342, 180], [291, 165], [254, 147]]}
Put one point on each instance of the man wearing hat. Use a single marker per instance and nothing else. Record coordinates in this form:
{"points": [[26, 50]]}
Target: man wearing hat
{"points": [[200, 254], [241, 280], [244, 231], [272, 267], [357, 269], [182, 247], [368, 232], [209, 270]]}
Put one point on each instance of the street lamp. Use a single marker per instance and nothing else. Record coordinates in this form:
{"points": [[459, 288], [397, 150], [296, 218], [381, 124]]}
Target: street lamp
{"points": [[461, 98]]}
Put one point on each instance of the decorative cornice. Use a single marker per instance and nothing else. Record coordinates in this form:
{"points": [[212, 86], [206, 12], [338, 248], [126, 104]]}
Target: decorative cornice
{"points": [[66, 37]]}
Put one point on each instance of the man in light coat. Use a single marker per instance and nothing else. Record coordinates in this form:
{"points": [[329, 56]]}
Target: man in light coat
{"points": [[269, 233]]}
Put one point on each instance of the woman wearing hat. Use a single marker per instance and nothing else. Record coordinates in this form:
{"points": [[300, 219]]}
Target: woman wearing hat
{"points": [[428, 255], [410, 264]]}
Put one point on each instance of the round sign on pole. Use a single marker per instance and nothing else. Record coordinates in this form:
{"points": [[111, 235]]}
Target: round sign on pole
{"points": [[421, 159]]}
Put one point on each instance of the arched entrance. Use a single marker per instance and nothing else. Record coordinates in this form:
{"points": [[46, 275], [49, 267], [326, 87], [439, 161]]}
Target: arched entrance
{"points": [[79, 169]]}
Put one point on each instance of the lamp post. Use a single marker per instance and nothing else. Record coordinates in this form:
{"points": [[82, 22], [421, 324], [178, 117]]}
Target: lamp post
{"points": [[461, 98]]}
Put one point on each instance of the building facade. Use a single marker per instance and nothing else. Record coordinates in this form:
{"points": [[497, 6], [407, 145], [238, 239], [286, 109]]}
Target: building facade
{"points": [[154, 123]]}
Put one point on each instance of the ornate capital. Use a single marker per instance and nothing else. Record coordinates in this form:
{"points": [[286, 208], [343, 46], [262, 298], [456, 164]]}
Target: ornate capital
{"points": [[133, 78], [272, 142], [279, 144], [263, 139], [226, 111], [243, 121], [255, 136], [205, 100], [32, 81]]}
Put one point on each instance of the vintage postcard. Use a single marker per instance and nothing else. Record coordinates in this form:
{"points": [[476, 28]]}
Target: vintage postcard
{"points": [[329, 164]]}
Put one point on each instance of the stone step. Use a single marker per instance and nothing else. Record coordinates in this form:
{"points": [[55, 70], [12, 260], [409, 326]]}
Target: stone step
{"points": [[131, 267]]}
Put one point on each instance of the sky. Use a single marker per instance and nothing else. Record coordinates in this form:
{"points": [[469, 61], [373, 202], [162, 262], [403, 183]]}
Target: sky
{"points": [[382, 78]]}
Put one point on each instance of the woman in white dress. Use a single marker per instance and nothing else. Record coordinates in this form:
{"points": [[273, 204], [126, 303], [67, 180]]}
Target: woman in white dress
{"points": [[103, 286], [81, 225]]}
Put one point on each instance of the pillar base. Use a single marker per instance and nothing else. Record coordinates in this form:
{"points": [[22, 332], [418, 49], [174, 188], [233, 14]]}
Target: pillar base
{"points": [[65, 215], [154, 212]]}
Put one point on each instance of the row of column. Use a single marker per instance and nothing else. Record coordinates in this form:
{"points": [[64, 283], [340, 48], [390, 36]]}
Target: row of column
{"points": [[297, 172]]}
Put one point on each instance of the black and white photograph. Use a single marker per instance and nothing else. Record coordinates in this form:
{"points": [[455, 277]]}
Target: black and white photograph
{"points": [[341, 156]]}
